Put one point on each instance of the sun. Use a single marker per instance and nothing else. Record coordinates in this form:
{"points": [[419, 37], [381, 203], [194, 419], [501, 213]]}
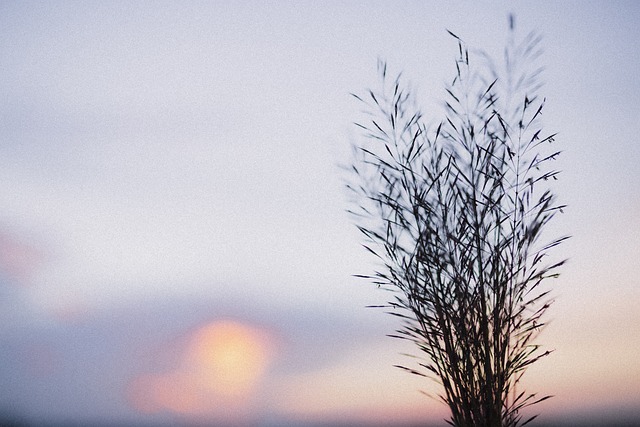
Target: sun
{"points": [[229, 356], [220, 370]]}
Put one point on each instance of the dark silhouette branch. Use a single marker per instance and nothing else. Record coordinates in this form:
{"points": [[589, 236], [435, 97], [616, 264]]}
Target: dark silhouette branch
{"points": [[454, 215]]}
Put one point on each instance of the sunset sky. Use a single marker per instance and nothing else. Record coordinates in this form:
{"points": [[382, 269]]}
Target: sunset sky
{"points": [[174, 246]]}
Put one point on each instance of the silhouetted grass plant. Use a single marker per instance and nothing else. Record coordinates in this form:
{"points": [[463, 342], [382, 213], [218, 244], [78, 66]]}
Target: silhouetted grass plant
{"points": [[455, 213]]}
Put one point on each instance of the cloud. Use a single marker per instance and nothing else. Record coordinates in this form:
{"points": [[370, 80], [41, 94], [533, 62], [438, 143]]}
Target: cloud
{"points": [[19, 258], [158, 358]]}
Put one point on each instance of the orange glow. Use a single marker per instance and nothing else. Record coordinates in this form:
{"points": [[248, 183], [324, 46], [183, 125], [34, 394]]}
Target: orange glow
{"points": [[231, 358], [218, 374], [363, 387], [150, 394]]}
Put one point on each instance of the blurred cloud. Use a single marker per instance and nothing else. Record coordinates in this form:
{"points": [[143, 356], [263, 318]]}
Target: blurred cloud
{"points": [[19, 259], [188, 360]]}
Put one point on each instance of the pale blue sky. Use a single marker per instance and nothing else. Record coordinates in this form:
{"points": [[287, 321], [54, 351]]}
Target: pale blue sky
{"points": [[165, 164]]}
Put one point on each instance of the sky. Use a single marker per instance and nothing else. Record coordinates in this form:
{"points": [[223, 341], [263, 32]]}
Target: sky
{"points": [[174, 246]]}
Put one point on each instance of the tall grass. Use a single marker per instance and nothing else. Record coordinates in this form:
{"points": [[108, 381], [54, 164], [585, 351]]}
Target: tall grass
{"points": [[455, 212]]}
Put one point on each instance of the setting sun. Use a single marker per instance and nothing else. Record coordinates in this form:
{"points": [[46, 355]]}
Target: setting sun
{"points": [[230, 357], [218, 373]]}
